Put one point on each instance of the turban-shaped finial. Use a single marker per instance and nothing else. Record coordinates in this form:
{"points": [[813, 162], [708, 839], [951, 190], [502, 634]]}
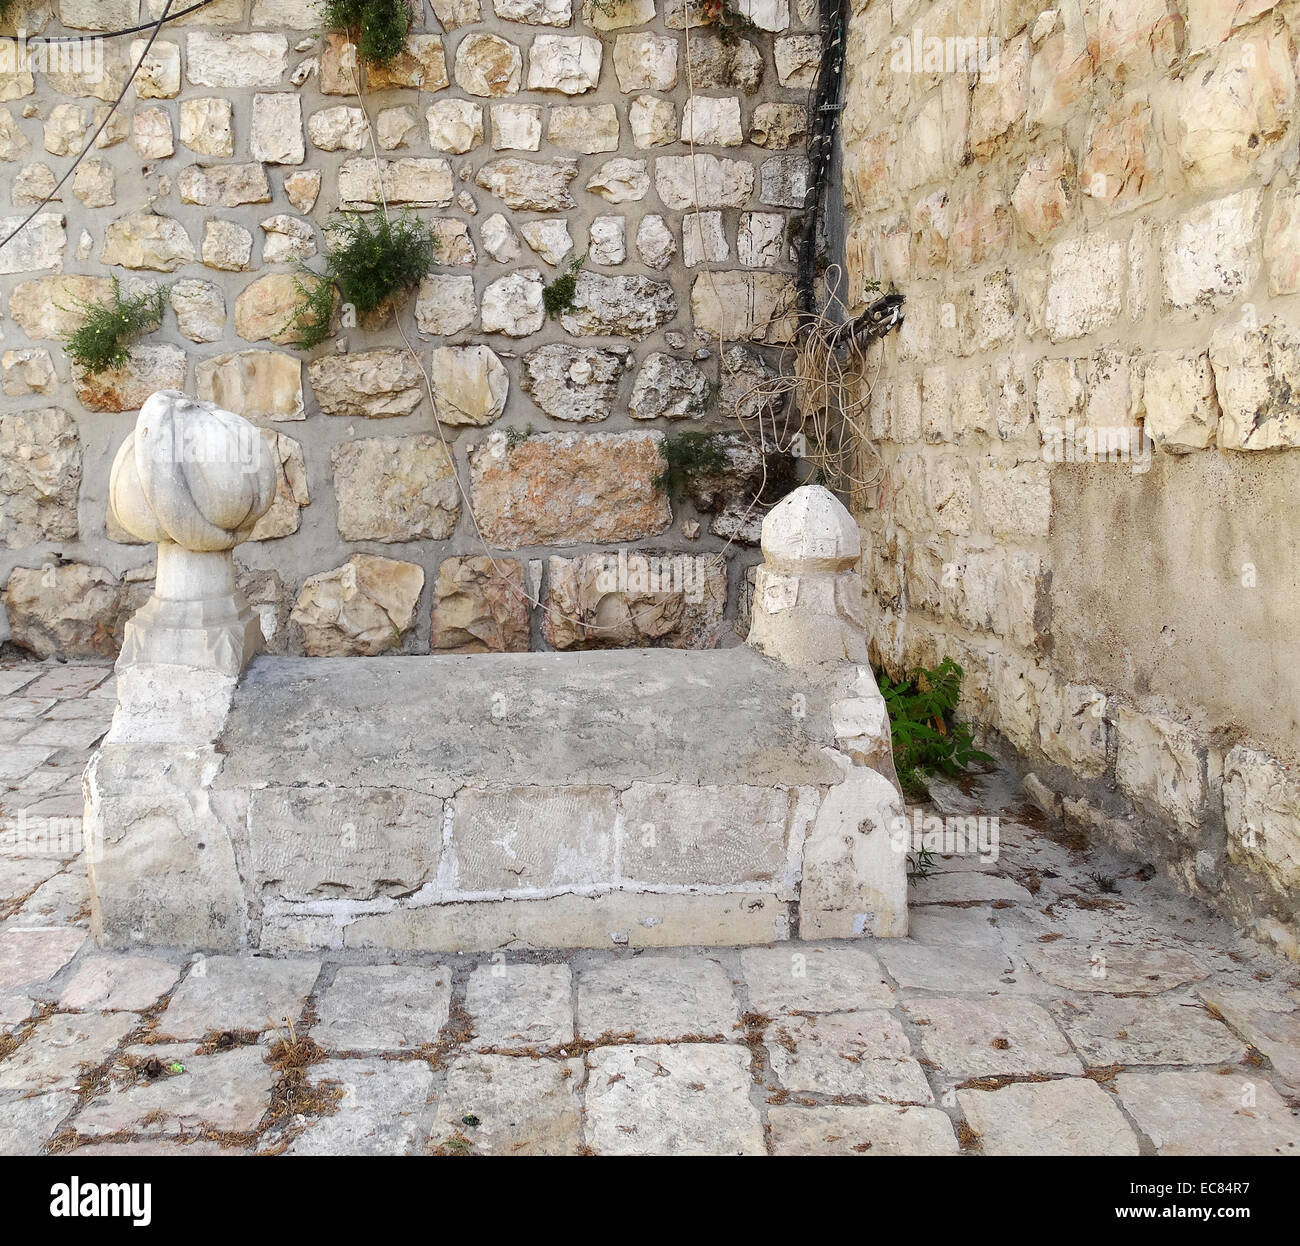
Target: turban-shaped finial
{"points": [[191, 474]]}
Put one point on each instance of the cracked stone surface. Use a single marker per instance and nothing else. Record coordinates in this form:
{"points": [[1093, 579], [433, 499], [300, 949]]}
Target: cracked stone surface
{"points": [[1026, 1013]]}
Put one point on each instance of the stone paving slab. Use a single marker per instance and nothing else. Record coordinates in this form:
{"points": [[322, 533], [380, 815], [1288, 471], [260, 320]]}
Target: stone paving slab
{"points": [[966, 887], [383, 1007], [380, 1112], [1136, 1030], [1115, 969], [234, 993], [118, 983], [60, 1048], [1269, 1023], [1193, 1113], [27, 1124], [226, 1091], [520, 1005], [18, 761], [510, 1105], [994, 970], [682, 1099], [991, 1037], [878, 1129], [67, 680], [822, 978], [864, 1054], [28, 957], [1073, 1116], [653, 998]]}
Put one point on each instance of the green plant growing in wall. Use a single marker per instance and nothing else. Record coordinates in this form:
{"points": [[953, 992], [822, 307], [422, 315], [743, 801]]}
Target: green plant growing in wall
{"points": [[372, 260], [516, 437], [557, 297], [686, 457], [108, 328], [925, 734], [377, 27]]}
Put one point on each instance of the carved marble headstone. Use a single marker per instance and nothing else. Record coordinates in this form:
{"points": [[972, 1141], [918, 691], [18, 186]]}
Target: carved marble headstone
{"points": [[195, 479]]}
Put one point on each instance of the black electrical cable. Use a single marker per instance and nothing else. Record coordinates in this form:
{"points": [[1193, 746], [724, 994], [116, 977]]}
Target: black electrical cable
{"points": [[823, 125]]}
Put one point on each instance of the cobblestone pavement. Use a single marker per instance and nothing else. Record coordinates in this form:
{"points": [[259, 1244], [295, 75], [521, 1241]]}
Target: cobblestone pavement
{"points": [[1053, 1001]]}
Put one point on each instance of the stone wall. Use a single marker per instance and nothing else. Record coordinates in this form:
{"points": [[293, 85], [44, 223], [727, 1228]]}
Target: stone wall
{"points": [[528, 133], [1087, 422]]}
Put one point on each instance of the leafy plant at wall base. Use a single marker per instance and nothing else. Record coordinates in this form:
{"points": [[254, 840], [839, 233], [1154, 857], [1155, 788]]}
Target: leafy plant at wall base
{"points": [[373, 261], [103, 339], [686, 456], [378, 27], [557, 297], [926, 736], [920, 866]]}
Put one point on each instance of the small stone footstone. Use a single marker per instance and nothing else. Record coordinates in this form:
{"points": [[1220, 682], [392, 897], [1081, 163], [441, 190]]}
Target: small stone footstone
{"points": [[1268, 1022], [1070, 1117], [806, 978], [955, 927], [666, 997], [966, 887], [1113, 969], [380, 1111], [880, 1129], [851, 1053], [685, 1099], [228, 1091], [518, 1005], [32, 956], [990, 1037], [992, 969], [509, 1105], [236, 993], [51, 1056], [1148, 1031], [1197, 1113], [27, 1124], [383, 1007], [118, 984]]}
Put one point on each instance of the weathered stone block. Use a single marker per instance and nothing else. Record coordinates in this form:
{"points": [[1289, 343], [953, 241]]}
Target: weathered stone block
{"points": [[480, 605], [595, 487], [40, 477], [395, 489], [724, 834], [361, 608], [637, 600], [532, 837], [375, 383], [353, 843]]}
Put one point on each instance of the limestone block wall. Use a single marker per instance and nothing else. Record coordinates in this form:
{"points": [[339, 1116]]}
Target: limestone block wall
{"points": [[529, 134], [1088, 427]]}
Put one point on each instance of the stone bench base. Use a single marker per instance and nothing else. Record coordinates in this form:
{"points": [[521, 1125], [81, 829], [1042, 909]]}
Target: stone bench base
{"points": [[452, 803]]}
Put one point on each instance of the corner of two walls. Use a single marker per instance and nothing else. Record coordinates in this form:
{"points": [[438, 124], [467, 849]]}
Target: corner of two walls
{"points": [[1089, 437]]}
